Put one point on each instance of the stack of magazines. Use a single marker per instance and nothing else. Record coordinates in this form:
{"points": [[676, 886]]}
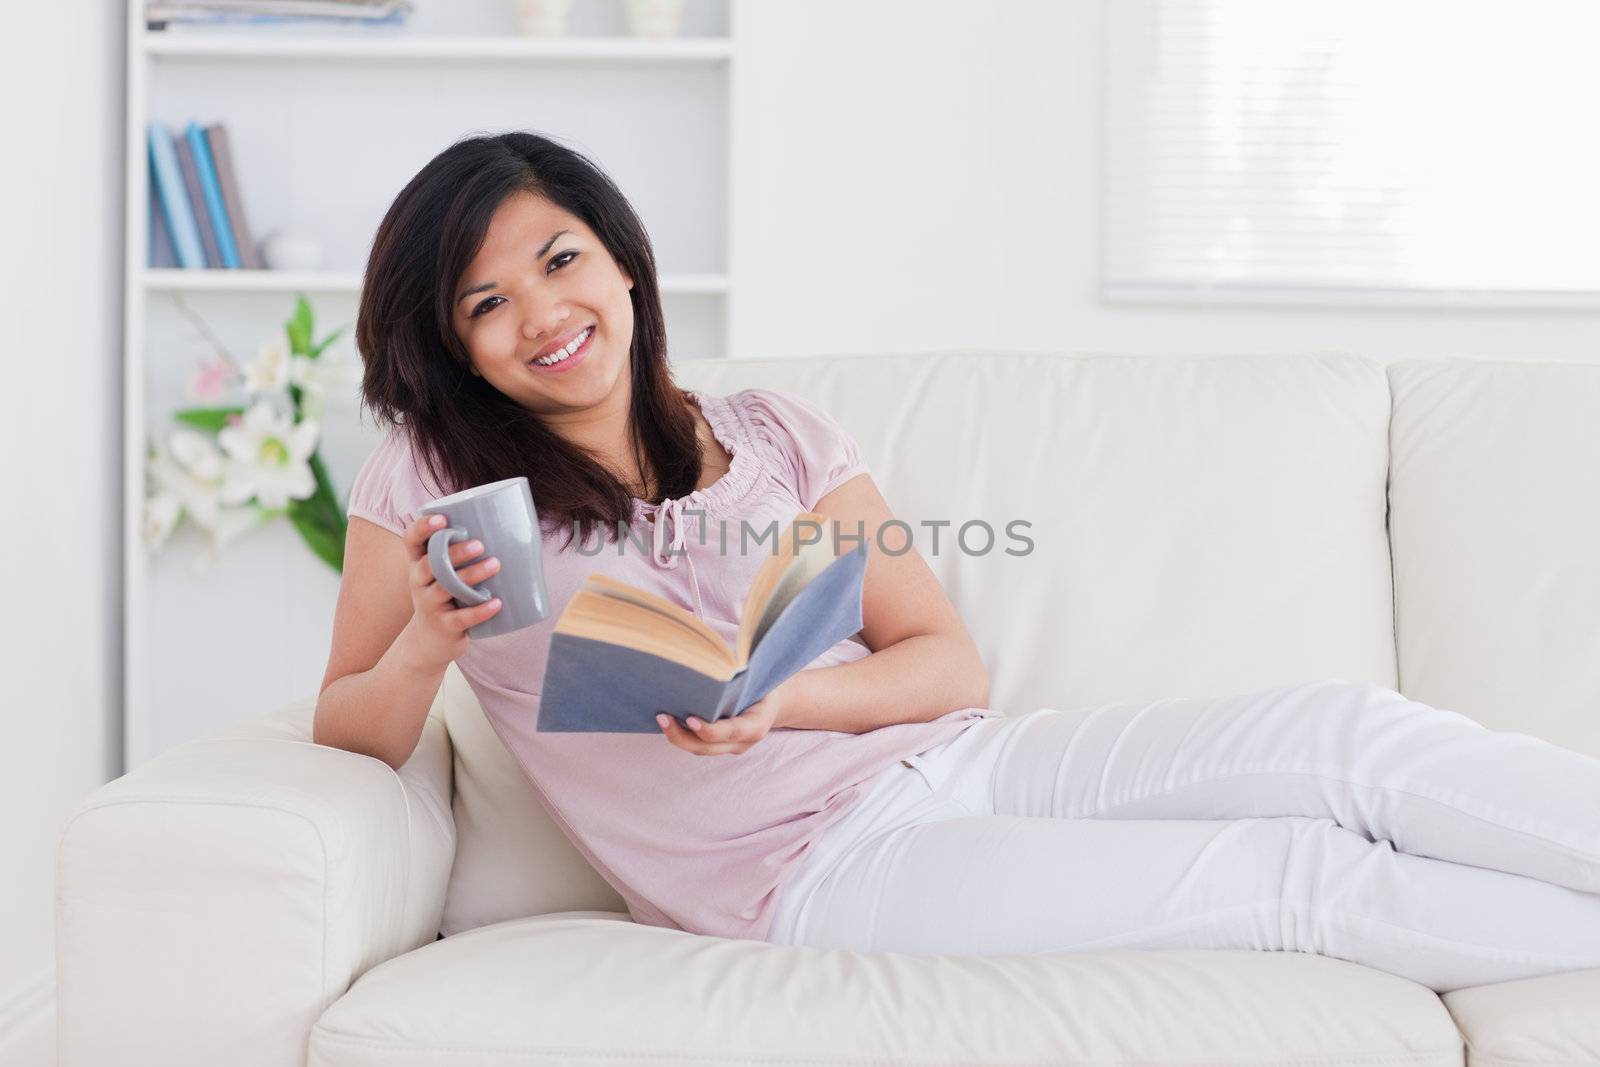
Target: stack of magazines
{"points": [[158, 13]]}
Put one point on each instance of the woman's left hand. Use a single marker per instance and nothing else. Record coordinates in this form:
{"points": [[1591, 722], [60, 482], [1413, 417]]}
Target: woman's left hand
{"points": [[729, 736]]}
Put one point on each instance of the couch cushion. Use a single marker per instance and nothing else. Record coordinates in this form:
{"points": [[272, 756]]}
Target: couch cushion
{"points": [[1552, 1021], [1200, 524], [1495, 520], [581, 988]]}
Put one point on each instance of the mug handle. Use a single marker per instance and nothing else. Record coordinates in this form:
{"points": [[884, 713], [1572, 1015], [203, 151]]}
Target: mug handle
{"points": [[444, 573]]}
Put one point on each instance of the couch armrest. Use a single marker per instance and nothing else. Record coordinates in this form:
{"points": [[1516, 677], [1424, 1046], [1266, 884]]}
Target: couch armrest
{"points": [[211, 903]]}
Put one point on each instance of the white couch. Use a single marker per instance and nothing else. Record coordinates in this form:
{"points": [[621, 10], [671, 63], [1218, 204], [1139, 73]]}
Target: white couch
{"points": [[1203, 524]]}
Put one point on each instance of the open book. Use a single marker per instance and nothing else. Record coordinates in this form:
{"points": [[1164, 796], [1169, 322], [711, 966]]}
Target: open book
{"points": [[620, 655]]}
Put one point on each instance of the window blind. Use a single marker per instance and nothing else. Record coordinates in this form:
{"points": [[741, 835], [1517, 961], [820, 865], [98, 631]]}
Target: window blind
{"points": [[1361, 148]]}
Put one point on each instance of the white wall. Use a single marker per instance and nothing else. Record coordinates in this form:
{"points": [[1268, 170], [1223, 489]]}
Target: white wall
{"points": [[926, 175], [60, 453]]}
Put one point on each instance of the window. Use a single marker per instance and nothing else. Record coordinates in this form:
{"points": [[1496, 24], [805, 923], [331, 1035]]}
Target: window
{"points": [[1352, 151]]}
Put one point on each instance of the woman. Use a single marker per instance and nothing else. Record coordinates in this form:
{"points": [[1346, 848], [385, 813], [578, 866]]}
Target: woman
{"points": [[511, 324]]}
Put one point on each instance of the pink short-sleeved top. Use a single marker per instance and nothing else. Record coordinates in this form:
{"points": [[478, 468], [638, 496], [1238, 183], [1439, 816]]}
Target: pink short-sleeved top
{"points": [[691, 842]]}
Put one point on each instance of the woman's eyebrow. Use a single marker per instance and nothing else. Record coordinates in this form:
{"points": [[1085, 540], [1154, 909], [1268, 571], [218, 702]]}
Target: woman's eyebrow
{"points": [[537, 255]]}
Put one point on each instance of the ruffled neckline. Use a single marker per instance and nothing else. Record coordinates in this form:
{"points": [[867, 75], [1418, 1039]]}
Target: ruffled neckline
{"points": [[744, 467]]}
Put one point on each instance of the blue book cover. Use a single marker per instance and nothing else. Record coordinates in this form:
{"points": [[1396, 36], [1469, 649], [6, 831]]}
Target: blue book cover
{"points": [[213, 193], [174, 198], [158, 243], [593, 685]]}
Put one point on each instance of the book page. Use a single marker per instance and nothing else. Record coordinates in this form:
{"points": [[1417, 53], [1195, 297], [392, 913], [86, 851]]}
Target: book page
{"points": [[607, 586], [603, 601], [812, 561], [622, 622], [767, 578]]}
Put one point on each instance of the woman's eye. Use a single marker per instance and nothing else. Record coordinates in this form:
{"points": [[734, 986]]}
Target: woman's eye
{"points": [[560, 261]]}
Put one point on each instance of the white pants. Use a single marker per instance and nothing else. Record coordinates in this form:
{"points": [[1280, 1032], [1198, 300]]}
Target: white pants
{"points": [[1329, 817]]}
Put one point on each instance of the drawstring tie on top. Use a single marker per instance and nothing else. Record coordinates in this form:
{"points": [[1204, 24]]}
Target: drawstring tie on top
{"points": [[665, 550]]}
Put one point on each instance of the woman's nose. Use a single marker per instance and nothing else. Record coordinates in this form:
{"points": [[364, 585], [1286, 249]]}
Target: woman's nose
{"points": [[544, 322]]}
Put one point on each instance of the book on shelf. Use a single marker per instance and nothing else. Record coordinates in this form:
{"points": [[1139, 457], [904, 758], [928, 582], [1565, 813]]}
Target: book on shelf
{"points": [[162, 254], [175, 208], [619, 655], [222, 159], [197, 203], [218, 212]]}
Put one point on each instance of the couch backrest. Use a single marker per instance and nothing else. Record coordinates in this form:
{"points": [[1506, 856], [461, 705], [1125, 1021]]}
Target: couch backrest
{"points": [[1199, 524], [1495, 527]]}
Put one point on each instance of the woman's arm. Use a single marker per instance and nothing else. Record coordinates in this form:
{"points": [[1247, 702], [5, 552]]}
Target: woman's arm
{"points": [[924, 662]]}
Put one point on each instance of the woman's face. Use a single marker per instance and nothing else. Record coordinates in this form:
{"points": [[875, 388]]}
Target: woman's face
{"points": [[541, 279]]}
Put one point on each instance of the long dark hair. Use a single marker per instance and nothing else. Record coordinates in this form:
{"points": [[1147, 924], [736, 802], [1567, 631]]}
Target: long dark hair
{"points": [[418, 374]]}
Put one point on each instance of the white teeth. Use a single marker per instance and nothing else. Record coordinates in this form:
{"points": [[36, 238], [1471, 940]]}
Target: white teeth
{"points": [[563, 354]]}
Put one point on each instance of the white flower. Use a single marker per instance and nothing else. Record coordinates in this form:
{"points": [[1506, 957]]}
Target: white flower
{"points": [[268, 458], [229, 525], [161, 514], [188, 468], [331, 375], [269, 373]]}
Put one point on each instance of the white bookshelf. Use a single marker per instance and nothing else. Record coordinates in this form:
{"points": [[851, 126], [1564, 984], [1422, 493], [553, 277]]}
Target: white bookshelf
{"points": [[324, 130]]}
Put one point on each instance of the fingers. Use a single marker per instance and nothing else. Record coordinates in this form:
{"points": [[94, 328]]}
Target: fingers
{"points": [[460, 553], [417, 534], [426, 526], [705, 738], [472, 575], [466, 618]]}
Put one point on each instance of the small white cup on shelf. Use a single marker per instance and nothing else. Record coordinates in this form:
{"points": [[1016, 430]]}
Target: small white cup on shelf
{"points": [[288, 249], [543, 18], [655, 18]]}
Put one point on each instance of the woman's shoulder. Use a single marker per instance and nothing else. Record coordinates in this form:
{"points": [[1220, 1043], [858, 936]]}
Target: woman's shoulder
{"points": [[781, 414], [393, 482], [810, 448]]}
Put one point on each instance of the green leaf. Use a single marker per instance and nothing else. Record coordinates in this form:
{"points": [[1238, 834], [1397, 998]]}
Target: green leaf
{"points": [[324, 493], [326, 341], [212, 419], [327, 543], [299, 327], [320, 519]]}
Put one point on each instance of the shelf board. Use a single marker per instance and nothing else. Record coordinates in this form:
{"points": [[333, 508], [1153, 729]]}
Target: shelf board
{"points": [[318, 281], [431, 46]]}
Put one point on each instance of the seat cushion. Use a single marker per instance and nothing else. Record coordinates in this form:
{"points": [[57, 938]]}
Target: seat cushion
{"points": [[594, 987], [1552, 1021]]}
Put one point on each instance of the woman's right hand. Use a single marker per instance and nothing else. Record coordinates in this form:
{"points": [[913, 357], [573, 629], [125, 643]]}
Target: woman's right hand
{"points": [[438, 629]]}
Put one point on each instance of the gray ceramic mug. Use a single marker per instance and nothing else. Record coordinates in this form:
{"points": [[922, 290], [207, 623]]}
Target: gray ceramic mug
{"points": [[501, 515]]}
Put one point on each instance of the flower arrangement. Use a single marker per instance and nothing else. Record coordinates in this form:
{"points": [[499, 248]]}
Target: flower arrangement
{"points": [[230, 468]]}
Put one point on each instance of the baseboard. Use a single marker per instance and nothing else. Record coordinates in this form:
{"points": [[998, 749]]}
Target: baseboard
{"points": [[27, 1028]]}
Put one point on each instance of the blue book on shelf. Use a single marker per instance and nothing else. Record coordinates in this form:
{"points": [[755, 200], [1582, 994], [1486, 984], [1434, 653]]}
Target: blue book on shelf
{"points": [[618, 654], [174, 198], [161, 253], [213, 192]]}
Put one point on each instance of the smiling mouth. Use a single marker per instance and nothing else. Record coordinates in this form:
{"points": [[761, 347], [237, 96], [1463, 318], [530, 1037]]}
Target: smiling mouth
{"points": [[566, 355]]}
